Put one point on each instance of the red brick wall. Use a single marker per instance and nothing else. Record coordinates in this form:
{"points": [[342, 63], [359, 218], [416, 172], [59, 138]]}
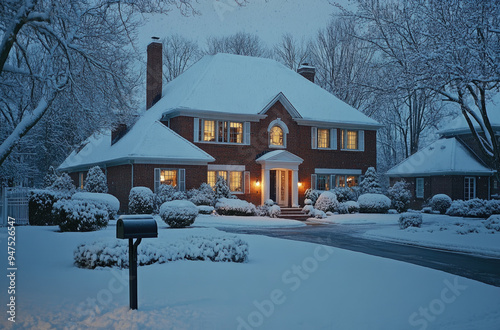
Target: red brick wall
{"points": [[120, 183]]}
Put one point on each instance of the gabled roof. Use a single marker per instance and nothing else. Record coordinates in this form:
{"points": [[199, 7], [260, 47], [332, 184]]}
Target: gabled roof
{"points": [[443, 157], [244, 85], [146, 142], [281, 156]]}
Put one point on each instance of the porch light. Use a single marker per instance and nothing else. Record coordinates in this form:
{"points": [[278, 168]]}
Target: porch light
{"points": [[257, 183], [299, 184]]}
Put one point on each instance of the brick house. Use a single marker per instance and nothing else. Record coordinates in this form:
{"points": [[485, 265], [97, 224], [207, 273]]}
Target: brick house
{"points": [[453, 165], [269, 131]]}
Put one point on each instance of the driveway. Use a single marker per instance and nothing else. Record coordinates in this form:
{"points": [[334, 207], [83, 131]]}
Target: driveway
{"points": [[349, 237]]}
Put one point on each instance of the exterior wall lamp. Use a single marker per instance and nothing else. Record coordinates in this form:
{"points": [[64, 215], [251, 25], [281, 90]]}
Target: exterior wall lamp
{"points": [[257, 183]]}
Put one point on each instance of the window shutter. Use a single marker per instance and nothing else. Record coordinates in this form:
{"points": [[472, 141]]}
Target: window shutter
{"points": [[419, 188], [196, 130], [333, 138], [332, 182], [314, 138], [157, 179], [313, 181], [247, 182], [361, 140], [246, 133], [182, 179]]}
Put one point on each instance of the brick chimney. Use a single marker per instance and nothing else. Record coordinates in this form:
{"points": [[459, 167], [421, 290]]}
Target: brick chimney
{"points": [[154, 73], [307, 71]]}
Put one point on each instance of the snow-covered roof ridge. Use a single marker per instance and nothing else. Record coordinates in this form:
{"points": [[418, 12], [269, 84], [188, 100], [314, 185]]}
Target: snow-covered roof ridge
{"points": [[446, 156], [244, 85]]}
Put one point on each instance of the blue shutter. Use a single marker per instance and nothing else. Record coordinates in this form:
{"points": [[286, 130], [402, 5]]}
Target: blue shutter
{"points": [[196, 130], [314, 138], [313, 181], [333, 138], [246, 132], [182, 179], [361, 140], [157, 179]]}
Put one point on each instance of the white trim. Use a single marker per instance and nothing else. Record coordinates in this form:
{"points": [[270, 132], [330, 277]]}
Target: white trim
{"points": [[277, 122], [247, 182], [337, 171], [314, 138], [472, 179], [208, 114], [246, 133], [285, 102], [233, 168], [338, 124], [314, 183]]}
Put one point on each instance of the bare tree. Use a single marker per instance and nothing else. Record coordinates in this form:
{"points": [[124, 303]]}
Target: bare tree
{"points": [[291, 52], [179, 54], [240, 43]]}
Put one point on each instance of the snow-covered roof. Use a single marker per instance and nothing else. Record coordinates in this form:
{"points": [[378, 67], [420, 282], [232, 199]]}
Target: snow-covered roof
{"points": [[443, 157], [281, 156], [244, 85], [148, 141]]}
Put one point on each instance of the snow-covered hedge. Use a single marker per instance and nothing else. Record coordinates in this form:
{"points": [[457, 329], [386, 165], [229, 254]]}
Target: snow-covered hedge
{"points": [[440, 203], [204, 195], [140, 201], [400, 196], [64, 184], [374, 203], [229, 206], [274, 211], [476, 207], [114, 253], [327, 202], [205, 209], [80, 215], [167, 193], [111, 203], [410, 219], [40, 204], [312, 195], [493, 222], [96, 182], [344, 194], [348, 207], [178, 214], [308, 208]]}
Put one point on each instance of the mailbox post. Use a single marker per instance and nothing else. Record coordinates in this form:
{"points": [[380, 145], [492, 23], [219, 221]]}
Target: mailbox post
{"points": [[138, 227]]}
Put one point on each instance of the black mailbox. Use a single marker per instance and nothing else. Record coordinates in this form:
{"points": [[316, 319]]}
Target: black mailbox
{"points": [[136, 226], [139, 227]]}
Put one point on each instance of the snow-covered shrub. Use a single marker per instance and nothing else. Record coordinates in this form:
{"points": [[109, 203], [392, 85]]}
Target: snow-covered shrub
{"points": [[114, 253], [493, 222], [263, 210], [327, 201], [344, 194], [410, 219], [370, 183], [222, 189], [63, 183], [440, 203], [50, 177], [318, 214], [493, 206], [312, 195], [178, 214], [40, 204], [205, 209], [374, 203], [348, 207], [457, 208], [96, 182], [400, 196], [80, 215], [140, 201], [167, 193], [204, 195], [427, 209], [229, 206], [392, 211], [274, 211], [109, 201], [307, 201], [476, 207], [307, 209]]}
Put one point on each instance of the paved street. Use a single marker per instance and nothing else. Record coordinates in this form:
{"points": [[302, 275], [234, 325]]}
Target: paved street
{"points": [[349, 237]]}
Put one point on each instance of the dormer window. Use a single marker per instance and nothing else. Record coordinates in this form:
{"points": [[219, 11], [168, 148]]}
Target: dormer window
{"points": [[277, 130]]}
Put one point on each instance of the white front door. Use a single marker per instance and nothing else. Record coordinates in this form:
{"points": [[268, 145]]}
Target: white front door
{"points": [[282, 188]]}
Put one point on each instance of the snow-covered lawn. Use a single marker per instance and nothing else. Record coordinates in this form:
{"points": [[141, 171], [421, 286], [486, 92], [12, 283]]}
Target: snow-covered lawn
{"points": [[438, 231], [284, 285], [235, 221]]}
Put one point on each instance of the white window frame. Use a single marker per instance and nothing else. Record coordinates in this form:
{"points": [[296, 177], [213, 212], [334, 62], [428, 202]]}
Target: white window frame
{"points": [[181, 177], [199, 126], [277, 122], [472, 182], [419, 187], [315, 136], [360, 137], [245, 176]]}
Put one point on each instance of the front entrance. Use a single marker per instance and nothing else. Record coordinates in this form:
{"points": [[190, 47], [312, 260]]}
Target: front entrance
{"points": [[278, 187]]}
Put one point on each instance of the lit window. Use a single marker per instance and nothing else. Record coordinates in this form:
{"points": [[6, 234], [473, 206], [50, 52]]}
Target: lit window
{"points": [[323, 182], [276, 136], [352, 181], [212, 177], [350, 140], [209, 130], [469, 188], [168, 177], [236, 132], [340, 180], [222, 131], [236, 181], [419, 187], [323, 138], [81, 180]]}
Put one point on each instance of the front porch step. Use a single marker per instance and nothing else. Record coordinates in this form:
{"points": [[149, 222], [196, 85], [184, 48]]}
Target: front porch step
{"points": [[293, 213]]}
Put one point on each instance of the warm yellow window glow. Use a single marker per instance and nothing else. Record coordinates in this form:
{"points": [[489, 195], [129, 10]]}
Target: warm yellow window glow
{"points": [[212, 177], [236, 132], [236, 181], [350, 140], [276, 136], [168, 177], [323, 138], [209, 130]]}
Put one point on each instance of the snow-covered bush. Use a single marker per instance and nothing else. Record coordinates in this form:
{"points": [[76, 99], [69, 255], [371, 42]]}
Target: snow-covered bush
{"points": [[493, 222], [40, 204], [344, 194], [370, 183], [50, 177], [440, 203], [140, 201], [410, 219], [312, 195], [229, 206], [167, 193], [205, 209], [204, 195], [307, 209], [400, 196], [476, 207], [493, 206], [114, 253], [307, 201], [263, 210], [109, 201], [95, 181], [427, 209], [327, 201], [318, 214], [63, 183], [274, 211], [348, 207], [222, 189], [392, 211], [80, 215], [374, 203], [178, 214]]}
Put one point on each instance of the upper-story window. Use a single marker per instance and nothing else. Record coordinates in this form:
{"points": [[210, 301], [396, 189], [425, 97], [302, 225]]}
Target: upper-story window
{"points": [[221, 131], [209, 130], [352, 140], [323, 138], [276, 136]]}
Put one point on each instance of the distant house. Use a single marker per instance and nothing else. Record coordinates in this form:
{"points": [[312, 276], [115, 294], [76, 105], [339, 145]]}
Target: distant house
{"points": [[452, 165], [269, 131]]}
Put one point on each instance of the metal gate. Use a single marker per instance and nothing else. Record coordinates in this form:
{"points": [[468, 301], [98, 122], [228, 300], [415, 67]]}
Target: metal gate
{"points": [[14, 204]]}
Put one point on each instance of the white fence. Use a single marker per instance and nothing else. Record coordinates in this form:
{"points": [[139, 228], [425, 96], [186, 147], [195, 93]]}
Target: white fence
{"points": [[14, 204]]}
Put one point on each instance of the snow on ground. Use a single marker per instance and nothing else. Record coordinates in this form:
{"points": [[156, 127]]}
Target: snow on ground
{"points": [[438, 231], [284, 285], [255, 222]]}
